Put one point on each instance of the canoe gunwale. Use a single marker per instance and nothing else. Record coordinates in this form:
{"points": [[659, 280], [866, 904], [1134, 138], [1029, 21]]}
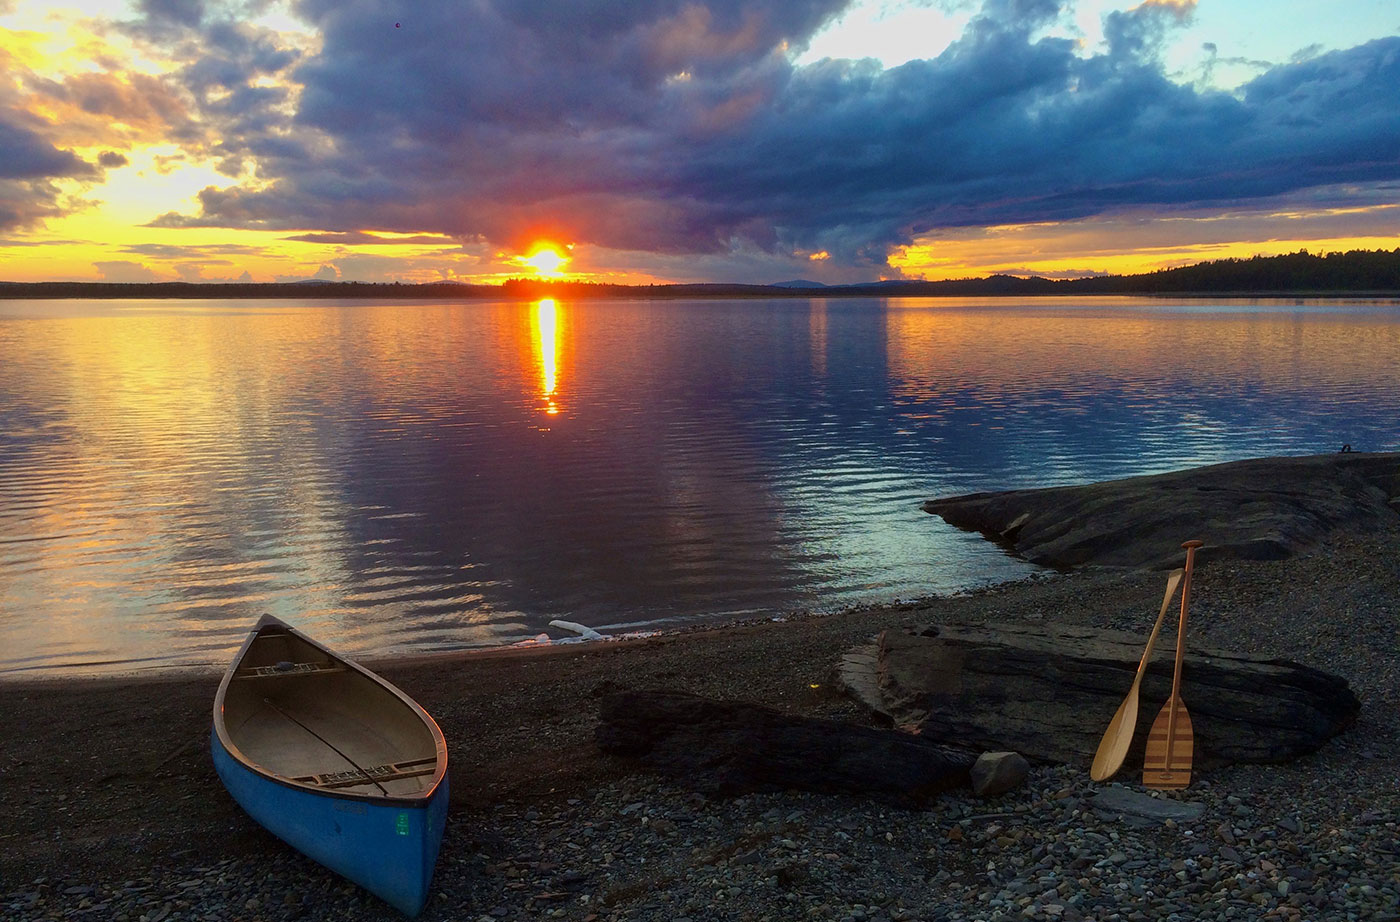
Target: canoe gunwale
{"points": [[418, 799]]}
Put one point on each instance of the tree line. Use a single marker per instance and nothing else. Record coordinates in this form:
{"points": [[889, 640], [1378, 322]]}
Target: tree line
{"points": [[1374, 272]]}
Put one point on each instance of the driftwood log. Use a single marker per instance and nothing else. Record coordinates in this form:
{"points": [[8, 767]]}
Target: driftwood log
{"points": [[730, 748], [1260, 509], [1049, 691]]}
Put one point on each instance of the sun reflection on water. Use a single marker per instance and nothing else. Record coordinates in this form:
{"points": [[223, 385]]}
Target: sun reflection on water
{"points": [[546, 336]]}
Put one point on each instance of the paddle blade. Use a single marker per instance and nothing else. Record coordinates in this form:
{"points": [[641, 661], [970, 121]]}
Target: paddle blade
{"points": [[1166, 763], [1113, 748]]}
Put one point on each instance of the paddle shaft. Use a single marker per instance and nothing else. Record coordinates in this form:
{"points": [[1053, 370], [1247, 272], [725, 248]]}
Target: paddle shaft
{"points": [[1156, 629], [1118, 737], [1180, 647]]}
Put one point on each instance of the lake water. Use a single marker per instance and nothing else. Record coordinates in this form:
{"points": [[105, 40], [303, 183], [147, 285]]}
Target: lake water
{"points": [[421, 477]]}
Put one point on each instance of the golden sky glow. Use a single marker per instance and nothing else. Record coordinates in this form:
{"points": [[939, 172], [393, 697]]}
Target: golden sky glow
{"points": [[1134, 243], [132, 109]]}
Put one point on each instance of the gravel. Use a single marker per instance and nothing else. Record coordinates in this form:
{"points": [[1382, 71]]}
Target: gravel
{"points": [[544, 828], [644, 850]]}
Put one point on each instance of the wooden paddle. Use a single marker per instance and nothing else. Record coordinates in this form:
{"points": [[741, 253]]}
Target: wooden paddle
{"points": [[1167, 762], [1113, 748]]}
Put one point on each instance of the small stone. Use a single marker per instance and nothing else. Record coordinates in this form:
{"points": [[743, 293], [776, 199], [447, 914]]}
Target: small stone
{"points": [[998, 772]]}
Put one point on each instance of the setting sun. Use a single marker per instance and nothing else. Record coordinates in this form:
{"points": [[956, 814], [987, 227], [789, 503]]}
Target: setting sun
{"points": [[546, 261]]}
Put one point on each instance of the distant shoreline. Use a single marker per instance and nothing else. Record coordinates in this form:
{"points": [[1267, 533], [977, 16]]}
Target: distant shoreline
{"points": [[1355, 274], [368, 291]]}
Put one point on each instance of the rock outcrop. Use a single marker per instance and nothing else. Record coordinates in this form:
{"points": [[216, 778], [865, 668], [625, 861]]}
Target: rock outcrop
{"points": [[1268, 508]]}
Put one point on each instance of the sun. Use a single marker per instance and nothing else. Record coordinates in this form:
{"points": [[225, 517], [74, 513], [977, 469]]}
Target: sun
{"points": [[547, 261]]}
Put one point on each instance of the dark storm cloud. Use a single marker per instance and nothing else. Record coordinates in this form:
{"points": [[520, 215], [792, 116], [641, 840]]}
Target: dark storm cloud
{"points": [[681, 127], [24, 154], [28, 165]]}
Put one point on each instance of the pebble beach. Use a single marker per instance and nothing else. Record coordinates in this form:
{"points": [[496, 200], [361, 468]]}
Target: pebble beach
{"points": [[114, 812]]}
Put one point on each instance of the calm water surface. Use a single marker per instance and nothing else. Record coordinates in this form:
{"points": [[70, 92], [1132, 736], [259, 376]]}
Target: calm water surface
{"points": [[417, 477]]}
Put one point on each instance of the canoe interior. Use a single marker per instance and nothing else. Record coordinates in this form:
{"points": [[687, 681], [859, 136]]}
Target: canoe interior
{"points": [[294, 710]]}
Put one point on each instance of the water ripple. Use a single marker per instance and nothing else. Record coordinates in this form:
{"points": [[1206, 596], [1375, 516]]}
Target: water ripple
{"points": [[424, 477]]}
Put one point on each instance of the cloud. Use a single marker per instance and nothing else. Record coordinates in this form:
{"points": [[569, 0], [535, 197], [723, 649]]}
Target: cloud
{"points": [[43, 118], [31, 163], [228, 76], [38, 243], [194, 271], [25, 155], [187, 13], [112, 106], [123, 270], [171, 251], [683, 129], [360, 238]]}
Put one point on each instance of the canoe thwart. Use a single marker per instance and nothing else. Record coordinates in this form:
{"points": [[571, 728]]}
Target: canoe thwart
{"points": [[355, 776], [286, 669]]}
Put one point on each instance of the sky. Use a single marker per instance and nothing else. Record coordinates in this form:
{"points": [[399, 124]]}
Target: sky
{"points": [[689, 140]]}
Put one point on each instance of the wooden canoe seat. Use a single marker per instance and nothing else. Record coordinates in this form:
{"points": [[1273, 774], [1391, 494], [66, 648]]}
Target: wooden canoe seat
{"points": [[389, 772], [286, 669]]}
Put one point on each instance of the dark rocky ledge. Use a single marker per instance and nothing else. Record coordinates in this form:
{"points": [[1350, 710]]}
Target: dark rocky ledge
{"points": [[1260, 509], [1048, 691]]}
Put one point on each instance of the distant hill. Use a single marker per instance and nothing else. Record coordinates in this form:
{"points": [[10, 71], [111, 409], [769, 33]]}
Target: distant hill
{"points": [[1357, 272]]}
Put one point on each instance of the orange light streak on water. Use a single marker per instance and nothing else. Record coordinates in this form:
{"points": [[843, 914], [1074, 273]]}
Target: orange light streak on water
{"points": [[545, 330]]}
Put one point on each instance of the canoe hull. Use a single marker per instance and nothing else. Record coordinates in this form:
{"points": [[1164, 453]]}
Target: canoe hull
{"points": [[389, 849], [333, 760]]}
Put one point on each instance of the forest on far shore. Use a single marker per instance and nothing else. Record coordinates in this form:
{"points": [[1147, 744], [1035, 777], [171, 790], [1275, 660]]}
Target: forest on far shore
{"points": [[1356, 272]]}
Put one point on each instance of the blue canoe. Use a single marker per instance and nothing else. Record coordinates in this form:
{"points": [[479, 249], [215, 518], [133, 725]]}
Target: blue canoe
{"points": [[334, 761]]}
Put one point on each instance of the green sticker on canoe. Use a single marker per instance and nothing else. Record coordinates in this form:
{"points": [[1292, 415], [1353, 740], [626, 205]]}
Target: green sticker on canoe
{"points": [[401, 824]]}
